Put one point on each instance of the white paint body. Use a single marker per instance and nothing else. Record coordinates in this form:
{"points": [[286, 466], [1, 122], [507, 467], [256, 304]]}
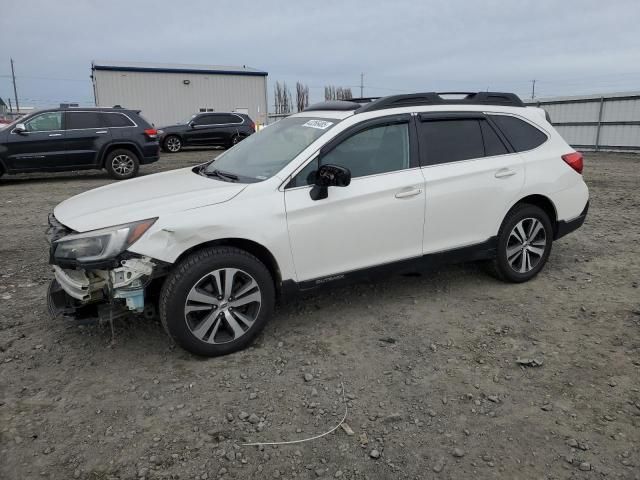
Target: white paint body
{"points": [[371, 222]]}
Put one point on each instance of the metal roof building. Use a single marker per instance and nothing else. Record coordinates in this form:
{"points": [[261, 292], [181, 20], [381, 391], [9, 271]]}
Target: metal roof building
{"points": [[169, 93], [609, 121]]}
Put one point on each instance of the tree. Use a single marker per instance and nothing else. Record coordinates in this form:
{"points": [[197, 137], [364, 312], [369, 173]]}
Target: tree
{"points": [[337, 93], [302, 96], [282, 98]]}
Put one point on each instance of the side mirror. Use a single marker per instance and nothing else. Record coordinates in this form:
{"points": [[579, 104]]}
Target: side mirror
{"points": [[192, 124], [329, 176], [20, 128]]}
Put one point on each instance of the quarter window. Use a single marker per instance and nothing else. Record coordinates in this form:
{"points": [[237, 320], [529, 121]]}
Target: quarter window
{"points": [[373, 151], [79, 120], [521, 135], [45, 122], [117, 120]]}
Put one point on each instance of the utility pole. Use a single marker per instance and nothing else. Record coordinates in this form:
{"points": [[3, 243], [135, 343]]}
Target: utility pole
{"points": [[10, 107], [533, 89], [15, 91], [361, 85]]}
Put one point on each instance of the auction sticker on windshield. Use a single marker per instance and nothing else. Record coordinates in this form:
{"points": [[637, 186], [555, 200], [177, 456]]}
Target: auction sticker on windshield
{"points": [[319, 124]]}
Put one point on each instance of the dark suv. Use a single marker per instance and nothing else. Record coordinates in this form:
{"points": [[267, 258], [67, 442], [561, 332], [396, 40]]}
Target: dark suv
{"points": [[215, 129], [59, 139]]}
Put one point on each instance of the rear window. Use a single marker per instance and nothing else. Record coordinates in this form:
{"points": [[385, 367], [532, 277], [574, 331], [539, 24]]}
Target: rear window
{"points": [[117, 120], [521, 135], [451, 140], [77, 120]]}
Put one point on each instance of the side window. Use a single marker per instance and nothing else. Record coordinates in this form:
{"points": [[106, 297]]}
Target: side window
{"points": [[451, 140], [492, 143], [376, 150], [522, 135], [117, 120], [205, 120], [226, 118], [77, 120], [306, 176], [45, 122]]}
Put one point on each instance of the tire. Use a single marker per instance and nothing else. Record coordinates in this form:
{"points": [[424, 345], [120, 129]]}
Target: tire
{"points": [[122, 164], [518, 261], [172, 144], [198, 291], [234, 141]]}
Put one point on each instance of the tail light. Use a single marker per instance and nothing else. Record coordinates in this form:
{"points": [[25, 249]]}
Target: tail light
{"points": [[253, 126], [151, 133], [574, 160]]}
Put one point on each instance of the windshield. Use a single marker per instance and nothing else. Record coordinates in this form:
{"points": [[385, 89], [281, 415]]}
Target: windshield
{"points": [[263, 154], [184, 122]]}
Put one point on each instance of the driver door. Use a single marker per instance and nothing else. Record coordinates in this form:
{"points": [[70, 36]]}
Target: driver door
{"points": [[376, 220], [41, 146]]}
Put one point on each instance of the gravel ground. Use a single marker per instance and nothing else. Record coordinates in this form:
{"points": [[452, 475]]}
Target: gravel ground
{"points": [[429, 366]]}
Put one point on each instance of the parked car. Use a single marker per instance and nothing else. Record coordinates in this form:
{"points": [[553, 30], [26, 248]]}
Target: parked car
{"points": [[338, 192], [117, 140], [211, 129]]}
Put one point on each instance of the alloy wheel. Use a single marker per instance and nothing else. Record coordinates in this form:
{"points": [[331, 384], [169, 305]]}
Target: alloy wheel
{"points": [[223, 305], [526, 245], [173, 144], [123, 164]]}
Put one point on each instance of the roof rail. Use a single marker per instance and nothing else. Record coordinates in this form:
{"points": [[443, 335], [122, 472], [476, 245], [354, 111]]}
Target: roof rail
{"points": [[436, 98], [341, 105]]}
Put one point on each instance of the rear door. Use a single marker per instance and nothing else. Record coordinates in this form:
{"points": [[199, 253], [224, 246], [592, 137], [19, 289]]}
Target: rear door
{"points": [[41, 147], [199, 130], [87, 135], [471, 176]]}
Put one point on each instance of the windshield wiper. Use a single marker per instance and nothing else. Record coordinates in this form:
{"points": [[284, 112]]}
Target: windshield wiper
{"points": [[226, 176]]}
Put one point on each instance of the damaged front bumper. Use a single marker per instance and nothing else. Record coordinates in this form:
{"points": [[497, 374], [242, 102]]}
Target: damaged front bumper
{"points": [[84, 290]]}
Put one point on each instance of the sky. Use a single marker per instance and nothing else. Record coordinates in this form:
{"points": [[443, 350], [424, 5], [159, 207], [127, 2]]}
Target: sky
{"points": [[569, 47]]}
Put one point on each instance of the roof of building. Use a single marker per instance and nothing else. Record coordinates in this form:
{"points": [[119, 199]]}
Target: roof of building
{"points": [[589, 97], [2, 104], [175, 68]]}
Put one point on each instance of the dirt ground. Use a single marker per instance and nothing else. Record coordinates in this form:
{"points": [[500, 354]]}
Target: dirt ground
{"points": [[429, 367]]}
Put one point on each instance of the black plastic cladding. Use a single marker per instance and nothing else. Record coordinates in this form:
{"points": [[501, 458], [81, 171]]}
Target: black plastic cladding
{"points": [[419, 99]]}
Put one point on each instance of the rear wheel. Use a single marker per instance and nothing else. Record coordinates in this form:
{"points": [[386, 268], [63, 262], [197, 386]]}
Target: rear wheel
{"points": [[234, 141], [122, 164], [172, 144], [524, 244], [217, 300]]}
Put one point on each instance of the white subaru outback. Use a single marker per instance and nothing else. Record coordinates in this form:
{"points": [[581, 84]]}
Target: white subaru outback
{"points": [[340, 191]]}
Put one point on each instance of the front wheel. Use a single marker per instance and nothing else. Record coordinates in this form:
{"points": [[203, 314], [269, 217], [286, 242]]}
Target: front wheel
{"points": [[524, 244], [217, 300], [122, 164]]}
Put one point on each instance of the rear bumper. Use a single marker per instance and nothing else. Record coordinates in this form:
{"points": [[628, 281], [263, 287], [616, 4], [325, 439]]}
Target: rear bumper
{"points": [[567, 226]]}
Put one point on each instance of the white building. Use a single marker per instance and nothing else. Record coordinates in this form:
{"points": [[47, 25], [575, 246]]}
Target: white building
{"points": [[170, 93], [610, 121]]}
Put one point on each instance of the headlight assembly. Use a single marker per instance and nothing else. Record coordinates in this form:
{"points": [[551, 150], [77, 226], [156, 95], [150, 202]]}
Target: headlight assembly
{"points": [[101, 244]]}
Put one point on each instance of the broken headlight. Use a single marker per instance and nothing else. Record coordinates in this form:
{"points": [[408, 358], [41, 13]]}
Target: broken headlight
{"points": [[101, 244]]}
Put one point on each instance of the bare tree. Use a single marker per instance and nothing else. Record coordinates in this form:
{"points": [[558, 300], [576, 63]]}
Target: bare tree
{"points": [[282, 98], [302, 96], [337, 93]]}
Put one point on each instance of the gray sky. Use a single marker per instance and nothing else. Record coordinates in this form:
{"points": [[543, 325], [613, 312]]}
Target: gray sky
{"points": [[569, 47]]}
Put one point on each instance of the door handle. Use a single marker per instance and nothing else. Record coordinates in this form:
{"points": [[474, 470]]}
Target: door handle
{"points": [[504, 173], [102, 131], [55, 134], [409, 193]]}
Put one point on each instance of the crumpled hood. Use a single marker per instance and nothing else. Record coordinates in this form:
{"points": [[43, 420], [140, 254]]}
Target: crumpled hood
{"points": [[143, 197]]}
